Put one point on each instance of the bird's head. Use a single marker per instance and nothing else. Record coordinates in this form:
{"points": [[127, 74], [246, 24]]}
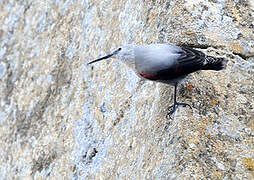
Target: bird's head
{"points": [[124, 53]]}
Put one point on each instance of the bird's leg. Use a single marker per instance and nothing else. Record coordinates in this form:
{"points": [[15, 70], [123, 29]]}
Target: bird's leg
{"points": [[176, 104]]}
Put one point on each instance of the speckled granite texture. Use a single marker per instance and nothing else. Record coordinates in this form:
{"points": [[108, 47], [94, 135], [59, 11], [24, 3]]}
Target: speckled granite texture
{"points": [[62, 119]]}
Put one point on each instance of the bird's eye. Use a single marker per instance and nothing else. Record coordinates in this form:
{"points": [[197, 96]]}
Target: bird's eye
{"points": [[119, 49]]}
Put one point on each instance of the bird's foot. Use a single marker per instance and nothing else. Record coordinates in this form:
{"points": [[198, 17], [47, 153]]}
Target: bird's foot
{"points": [[175, 106]]}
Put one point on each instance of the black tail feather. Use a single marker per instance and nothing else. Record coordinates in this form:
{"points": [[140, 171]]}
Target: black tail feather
{"points": [[214, 63]]}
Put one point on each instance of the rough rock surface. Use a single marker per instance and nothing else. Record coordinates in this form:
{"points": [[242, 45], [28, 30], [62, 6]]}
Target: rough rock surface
{"points": [[62, 119]]}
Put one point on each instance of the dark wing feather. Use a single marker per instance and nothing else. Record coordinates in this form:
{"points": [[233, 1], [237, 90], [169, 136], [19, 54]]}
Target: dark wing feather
{"points": [[190, 60]]}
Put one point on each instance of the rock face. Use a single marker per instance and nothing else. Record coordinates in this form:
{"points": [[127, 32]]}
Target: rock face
{"points": [[60, 118]]}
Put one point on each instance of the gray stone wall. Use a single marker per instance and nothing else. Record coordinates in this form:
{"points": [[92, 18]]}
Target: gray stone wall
{"points": [[62, 119]]}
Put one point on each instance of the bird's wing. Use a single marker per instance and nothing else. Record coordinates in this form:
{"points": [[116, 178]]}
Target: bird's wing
{"points": [[190, 60], [172, 65]]}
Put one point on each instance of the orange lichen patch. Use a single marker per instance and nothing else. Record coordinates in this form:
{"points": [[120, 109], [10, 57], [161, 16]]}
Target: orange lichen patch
{"points": [[205, 121], [190, 33], [251, 125], [194, 140], [214, 102], [218, 146], [189, 87], [209, 136], [249, 163], [218, 174], [237, 48], [202, 130], [213, 36]]}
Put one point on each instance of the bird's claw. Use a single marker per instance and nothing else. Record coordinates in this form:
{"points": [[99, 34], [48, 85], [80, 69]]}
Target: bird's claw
{"points": [[174, 107]]}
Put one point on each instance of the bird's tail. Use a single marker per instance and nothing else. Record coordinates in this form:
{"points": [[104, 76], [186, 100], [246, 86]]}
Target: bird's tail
{"points": [[213, 63]]}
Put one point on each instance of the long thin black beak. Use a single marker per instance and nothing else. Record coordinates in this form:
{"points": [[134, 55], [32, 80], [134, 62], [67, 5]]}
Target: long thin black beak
{"points": [[105, 57]]}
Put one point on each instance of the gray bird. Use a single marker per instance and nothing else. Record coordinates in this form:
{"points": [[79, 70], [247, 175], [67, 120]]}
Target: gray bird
{"points": [[165, 63]]}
